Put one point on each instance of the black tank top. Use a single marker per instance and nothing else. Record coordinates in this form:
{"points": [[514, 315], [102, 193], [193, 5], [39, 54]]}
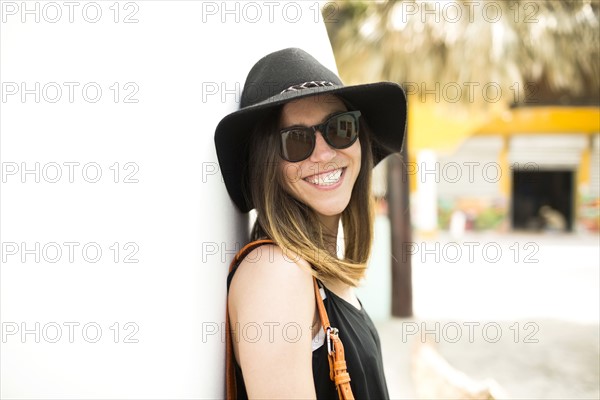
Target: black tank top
{"points": [[362, 349]]}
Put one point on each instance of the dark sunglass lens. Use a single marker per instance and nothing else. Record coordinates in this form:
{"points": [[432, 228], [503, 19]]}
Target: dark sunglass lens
{"points": [[296, 144], [342, 130]]}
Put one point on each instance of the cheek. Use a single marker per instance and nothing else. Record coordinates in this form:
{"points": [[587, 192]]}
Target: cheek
{"points": [[291, 173]]}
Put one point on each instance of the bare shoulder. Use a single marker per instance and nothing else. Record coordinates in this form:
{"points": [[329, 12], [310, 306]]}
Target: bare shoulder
{"points": [[271, 307], [267, 277]]}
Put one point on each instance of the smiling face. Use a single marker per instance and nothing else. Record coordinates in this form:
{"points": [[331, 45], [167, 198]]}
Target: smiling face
{"points": [[323, 181]]}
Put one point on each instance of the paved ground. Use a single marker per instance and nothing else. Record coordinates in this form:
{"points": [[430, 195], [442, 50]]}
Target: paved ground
{"points": [[527, 318], [563, 364]]}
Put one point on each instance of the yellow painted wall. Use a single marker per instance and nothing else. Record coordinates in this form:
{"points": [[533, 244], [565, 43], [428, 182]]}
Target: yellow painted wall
{"points": [[436, 127], [545, 120], [583, 172]]}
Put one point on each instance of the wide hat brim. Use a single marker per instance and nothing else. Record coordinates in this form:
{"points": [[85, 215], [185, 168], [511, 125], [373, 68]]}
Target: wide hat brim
{"points": [[382, 104]]}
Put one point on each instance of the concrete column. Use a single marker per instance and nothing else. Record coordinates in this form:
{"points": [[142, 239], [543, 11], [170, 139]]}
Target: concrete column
{"points": [[428, 176]]}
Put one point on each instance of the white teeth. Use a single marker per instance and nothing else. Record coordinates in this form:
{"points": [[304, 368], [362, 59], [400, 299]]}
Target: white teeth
{"points": [[326, 179]]}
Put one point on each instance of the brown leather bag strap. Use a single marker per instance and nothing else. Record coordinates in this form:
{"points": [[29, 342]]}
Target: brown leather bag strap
{"points": [[230, 382], [337, 362], [321, 307]]}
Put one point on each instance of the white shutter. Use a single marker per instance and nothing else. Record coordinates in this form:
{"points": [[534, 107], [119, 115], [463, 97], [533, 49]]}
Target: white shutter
{"points": [[473, 170], [546, 152]]}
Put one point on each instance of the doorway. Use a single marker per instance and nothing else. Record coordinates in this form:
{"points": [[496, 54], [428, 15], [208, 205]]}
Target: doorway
{"points": [[543, 200]]}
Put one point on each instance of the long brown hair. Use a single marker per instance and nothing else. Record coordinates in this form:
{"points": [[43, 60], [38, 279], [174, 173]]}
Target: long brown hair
{"points": [[293, 225]]}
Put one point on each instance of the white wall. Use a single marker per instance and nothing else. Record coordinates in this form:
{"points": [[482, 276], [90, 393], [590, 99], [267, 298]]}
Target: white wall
{"points": [[168, 204]]}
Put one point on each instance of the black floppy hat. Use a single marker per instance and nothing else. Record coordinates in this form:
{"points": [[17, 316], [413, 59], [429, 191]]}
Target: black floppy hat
{"points": [[290, 74]]}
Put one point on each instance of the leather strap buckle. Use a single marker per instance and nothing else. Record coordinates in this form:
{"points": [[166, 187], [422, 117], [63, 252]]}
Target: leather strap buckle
{"points": [[330, 330]]}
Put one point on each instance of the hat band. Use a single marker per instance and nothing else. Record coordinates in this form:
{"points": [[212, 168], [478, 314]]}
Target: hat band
{"points": [[307, 85]]}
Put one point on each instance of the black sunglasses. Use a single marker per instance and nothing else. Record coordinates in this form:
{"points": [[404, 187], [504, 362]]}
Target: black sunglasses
{"points": [[339, 131]]}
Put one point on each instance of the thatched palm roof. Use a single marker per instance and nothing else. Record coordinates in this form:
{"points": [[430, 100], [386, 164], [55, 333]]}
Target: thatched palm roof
{"points": [[552, 45]]}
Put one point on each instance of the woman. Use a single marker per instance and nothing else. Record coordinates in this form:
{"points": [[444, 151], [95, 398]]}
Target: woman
{"points": [[300, 151]]}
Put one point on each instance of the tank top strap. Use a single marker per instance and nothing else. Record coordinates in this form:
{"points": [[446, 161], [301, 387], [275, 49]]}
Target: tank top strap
{"points": [[239, 257]]}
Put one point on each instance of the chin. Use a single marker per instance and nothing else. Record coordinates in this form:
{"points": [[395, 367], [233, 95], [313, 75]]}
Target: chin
{"points": [[331, 211]]}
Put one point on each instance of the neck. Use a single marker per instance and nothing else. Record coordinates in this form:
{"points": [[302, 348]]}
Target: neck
{"points": [[330, 231]]}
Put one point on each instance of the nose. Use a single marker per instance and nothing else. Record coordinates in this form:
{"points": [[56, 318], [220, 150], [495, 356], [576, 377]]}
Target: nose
{"points": [[322, 152]]}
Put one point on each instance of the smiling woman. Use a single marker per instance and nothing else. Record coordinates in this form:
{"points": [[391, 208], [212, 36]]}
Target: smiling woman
{"points": [[301, 153]]}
